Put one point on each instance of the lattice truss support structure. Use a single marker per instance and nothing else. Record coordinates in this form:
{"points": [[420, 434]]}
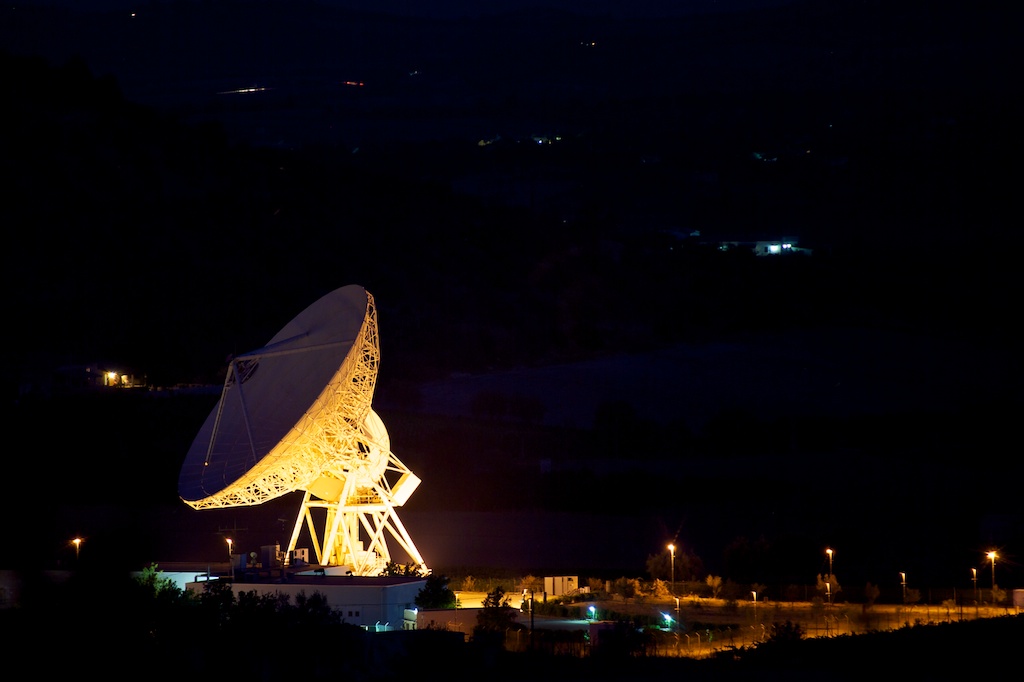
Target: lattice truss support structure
{"points": [[339, 454]]}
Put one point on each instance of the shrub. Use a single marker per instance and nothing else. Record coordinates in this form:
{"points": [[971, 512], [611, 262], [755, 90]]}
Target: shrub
{"points": [[786, 632]]}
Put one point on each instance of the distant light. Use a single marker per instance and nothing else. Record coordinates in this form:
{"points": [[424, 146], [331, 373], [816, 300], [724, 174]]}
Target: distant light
{"points": [[243, 91]]}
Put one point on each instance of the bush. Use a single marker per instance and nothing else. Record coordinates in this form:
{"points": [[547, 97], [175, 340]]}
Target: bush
{"points": [[786, 632]]}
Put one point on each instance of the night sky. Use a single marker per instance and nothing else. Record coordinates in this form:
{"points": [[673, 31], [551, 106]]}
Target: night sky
{"points": [[536, 196]]}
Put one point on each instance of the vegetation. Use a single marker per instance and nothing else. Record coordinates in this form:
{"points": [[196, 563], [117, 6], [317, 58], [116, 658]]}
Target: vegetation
{"points": [[495, 620], [114, 624], [436, 594], [100, 623], [402, 570]]}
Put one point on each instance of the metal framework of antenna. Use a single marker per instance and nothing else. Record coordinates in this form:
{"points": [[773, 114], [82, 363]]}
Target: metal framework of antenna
{"points": [[338, 453]]}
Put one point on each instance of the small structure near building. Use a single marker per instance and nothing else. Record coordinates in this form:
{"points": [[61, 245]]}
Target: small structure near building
{"points": [[558, 585]]}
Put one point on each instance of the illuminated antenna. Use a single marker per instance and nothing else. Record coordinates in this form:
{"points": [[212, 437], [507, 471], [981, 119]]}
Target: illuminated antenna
{"points": [[295, 415]]}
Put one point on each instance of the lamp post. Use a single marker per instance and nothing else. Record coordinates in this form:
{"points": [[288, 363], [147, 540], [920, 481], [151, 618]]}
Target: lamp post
{"points": [[903, 579], [532, 596], [992, 556], [974, 579], [672, 549], [828, 584], [754, 594], [77, 542]]}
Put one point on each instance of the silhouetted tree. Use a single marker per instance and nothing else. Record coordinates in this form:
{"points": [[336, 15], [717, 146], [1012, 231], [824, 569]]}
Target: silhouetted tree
{"points": [[688, 565], [627, 587], [402, 570], [495, 618], [435, 594], [659, 589], [871, 593], [827, 584], [786, 632]]}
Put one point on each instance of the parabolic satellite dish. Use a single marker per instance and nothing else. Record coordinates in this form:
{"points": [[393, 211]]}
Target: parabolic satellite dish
{"points": [[295, 415]]}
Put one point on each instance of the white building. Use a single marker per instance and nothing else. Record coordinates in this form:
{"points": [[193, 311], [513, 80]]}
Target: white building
{"points": [[373, 603]]}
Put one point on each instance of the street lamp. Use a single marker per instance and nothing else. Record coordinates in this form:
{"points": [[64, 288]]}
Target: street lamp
{"points": [[903, 578], [672, 549], [974, 579], [992, 555], [77, 542], [828, 584]]}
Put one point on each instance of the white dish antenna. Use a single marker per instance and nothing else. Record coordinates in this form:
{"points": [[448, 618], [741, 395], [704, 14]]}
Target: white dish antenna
{"points": [[295, 415]]}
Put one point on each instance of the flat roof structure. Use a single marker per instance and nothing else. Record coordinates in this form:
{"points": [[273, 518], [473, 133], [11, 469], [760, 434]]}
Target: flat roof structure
{"points": [[373, 603]]}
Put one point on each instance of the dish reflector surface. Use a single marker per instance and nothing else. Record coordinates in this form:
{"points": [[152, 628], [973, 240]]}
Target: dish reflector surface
{"points": [[269, 391]]}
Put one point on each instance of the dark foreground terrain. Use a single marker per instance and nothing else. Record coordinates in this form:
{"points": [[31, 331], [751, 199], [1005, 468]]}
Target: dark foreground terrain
{"points": [[98, 635]]}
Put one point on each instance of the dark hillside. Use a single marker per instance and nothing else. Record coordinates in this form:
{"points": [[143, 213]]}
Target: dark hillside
{"points": [[522, 195], [121, 211]]}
